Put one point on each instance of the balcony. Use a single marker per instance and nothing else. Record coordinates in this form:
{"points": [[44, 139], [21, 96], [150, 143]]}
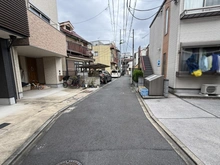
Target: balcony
{"points": [[78, 49], [200, 12]]}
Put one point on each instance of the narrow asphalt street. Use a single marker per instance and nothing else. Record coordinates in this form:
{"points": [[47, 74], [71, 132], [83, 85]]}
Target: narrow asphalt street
{"points": [[107, 128]]}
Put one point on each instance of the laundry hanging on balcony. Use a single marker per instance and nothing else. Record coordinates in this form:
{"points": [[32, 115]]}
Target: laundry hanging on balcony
{"points": [[193, 66], [218, 71], [215, 63]]}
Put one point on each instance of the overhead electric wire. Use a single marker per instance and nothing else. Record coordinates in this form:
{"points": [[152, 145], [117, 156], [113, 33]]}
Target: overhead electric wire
{"points": [[113, 13], [130, 25], [110, 16], [142, 19], [117, 22], [145, 9], [91, 17]]}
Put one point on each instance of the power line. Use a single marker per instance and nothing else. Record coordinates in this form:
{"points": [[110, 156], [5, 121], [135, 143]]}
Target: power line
{"points": [[130, 25], [91, 17], [145, 9], [110, 16], [142, 19], [113, 13]]}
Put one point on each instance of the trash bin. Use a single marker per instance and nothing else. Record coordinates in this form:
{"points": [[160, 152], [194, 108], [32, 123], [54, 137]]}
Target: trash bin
{"points": [[155, 84]]}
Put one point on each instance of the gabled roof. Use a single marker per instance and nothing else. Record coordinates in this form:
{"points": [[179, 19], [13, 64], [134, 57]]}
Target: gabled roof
{"points": [[67, 23], [73, 34]]}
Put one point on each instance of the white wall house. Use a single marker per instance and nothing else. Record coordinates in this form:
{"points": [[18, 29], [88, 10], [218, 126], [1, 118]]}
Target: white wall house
{"points": [[180, 29]]}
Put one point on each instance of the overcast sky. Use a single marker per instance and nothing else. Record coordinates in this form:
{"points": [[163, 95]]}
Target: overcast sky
{"points": [[102, 20]]}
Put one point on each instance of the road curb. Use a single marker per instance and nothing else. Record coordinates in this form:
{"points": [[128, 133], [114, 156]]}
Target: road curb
{"points": [[186, 150], [43, 128]]}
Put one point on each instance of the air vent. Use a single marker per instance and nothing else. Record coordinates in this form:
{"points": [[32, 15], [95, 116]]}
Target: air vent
{"points": [[210, 89]]}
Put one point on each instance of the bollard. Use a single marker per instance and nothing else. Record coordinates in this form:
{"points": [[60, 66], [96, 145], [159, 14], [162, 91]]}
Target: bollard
{"points": [[165, 87]]}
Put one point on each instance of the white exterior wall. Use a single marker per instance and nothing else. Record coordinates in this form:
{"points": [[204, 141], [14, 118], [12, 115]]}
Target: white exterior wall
{"points": [[174, 46], [48, 7], [200, 30], [156, 42], [52, 70]]}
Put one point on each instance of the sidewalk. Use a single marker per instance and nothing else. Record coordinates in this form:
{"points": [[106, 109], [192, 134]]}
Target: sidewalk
{"points": [[192, 123], [30, 113]]}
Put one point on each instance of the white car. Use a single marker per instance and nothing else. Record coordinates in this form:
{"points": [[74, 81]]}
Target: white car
{"points": [[115, 74]]}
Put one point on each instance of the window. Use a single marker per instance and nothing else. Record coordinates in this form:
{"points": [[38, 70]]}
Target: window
{"points": [[192, 4], [67, 28], [212, 2], [96, 53], [40, 14], [198, 52], [167, 21]]}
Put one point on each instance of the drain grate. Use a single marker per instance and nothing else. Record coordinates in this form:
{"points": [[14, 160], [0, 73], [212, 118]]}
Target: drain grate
{"points": [[70, 162], [4, 125]]}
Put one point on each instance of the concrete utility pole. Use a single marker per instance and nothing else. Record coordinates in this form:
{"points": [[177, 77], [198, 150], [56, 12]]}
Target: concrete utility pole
{"points": [[119, 63], [132, 55]]}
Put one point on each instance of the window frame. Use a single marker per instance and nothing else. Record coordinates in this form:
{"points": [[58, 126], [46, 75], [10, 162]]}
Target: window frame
{"points": [[166, 29]]}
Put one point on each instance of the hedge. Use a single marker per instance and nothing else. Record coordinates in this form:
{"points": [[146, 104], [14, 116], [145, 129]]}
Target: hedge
{"points": [[137, 73]]}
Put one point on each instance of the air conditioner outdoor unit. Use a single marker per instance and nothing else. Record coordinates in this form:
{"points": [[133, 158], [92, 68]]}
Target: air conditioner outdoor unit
{"points": [[210, 89]]}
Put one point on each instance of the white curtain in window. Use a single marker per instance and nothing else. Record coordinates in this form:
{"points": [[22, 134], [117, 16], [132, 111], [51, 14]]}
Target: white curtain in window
{"points": [[192, 4], [212, 2]]}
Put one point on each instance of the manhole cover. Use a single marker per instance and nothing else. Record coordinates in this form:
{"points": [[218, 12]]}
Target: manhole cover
{"points": [[70, 162]]}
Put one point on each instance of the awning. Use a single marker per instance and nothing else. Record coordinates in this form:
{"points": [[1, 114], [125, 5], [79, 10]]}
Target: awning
{"points": [[94, 66]]}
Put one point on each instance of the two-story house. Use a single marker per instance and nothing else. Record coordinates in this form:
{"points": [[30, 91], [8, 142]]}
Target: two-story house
{"points": [[182, 29], [36, 45], [78, 50]]}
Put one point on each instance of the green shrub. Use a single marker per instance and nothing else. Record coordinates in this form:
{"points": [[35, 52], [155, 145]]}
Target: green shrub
{"points": [[137, 73]]}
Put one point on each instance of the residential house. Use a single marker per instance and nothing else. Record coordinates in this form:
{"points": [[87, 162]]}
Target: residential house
{"points": [[106, 54], [78, 50], [180, 30], [36, 46]]}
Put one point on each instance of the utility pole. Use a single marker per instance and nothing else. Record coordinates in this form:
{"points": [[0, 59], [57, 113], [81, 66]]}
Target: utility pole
{"points": [[119, 62], [132, 55]]}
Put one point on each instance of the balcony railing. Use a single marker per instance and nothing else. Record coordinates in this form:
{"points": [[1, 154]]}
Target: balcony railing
{"points": [[200, 12], [78, 49]]}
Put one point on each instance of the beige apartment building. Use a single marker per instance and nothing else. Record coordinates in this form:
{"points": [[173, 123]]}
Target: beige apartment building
{"points": [[38, 58], [106, 54]]}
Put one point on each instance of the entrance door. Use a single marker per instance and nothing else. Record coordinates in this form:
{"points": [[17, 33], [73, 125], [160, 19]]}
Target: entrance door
{"points": [[32, 70], [164, 67]]}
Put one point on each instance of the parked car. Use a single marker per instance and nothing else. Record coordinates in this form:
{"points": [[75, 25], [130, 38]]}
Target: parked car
{"points": [[105, 76], [115, 74]]}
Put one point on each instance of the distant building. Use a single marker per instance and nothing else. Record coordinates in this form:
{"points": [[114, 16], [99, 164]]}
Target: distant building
{"points": [[106, 54]]}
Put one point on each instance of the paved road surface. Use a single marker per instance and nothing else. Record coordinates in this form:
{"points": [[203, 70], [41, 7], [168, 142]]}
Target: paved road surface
{"points": [[107, 128]]}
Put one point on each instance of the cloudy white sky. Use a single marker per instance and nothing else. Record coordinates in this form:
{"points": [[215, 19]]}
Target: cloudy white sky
{"points": [[102, 20]]}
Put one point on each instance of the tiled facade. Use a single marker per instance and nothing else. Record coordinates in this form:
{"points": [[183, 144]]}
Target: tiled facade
{"points": [[44, 36]]}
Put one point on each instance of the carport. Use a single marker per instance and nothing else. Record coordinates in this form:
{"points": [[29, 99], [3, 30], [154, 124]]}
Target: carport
{"points": [[93, 78]]}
